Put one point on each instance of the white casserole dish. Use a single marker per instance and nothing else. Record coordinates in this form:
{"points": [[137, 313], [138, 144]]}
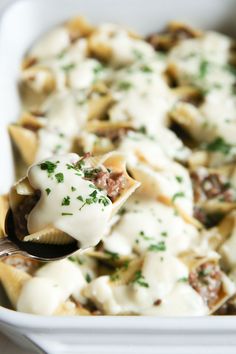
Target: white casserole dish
{"points": [[21, 23]]}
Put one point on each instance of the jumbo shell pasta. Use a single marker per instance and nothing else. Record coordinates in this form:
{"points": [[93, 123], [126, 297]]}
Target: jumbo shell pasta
{"points": [[101, 182]]}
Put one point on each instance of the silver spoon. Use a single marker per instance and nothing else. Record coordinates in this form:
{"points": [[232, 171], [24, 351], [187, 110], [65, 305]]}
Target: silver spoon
{"points": [[11, 245]]}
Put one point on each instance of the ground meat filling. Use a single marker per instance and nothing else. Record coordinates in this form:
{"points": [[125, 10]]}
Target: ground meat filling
{"points": [[111, 182], [21, 213], [212, 186], [207, 281]]}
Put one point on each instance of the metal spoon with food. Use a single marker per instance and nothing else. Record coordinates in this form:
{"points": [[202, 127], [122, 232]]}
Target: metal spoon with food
{"points": [[65, 203]]}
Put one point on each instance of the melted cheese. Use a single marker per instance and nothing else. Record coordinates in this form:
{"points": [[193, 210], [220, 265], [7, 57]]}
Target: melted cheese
{"points": [[143, 98], [84, 222], [161, 274], [147, 222], [182, 301], [56, 136], [51, 44], [50, 287]]}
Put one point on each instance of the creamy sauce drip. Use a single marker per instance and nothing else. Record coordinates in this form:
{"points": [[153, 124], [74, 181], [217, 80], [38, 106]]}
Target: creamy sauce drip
{"points": [[59, 205], [51, 286]]}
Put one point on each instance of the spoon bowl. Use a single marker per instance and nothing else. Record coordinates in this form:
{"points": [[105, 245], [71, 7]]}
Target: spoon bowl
{"points": [[43, 252]]}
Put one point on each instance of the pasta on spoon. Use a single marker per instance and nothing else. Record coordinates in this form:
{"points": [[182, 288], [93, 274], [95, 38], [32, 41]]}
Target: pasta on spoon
{"points": [[67, 198]]}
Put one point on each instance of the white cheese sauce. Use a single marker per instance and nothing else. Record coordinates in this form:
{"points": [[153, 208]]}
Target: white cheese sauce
{"points": [[161, 281], [148, 224], [63, 201], [51, 286]]}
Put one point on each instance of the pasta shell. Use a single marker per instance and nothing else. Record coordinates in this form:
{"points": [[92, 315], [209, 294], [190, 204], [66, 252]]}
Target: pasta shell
{"points": [[19, 191], [117, 163], [25, 141], [78, 27], [98, 106], [12, 280], [49, 235], [112, 259], [39, 79], [4, 206], [31, 122], [227, 287]]}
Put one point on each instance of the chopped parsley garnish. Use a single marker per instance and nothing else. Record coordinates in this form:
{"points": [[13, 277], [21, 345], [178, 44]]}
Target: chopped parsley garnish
{"points": [[203, 68], [178, 195], [179, 179], [75, 259], [125, 85], [61, 55], [142, 130], [137, 54], [145, 237], [122, 211], [68, 67], [91, 172], [64, 214], [114, 277], [94, 198], [158, 247], [113, 255], [48, 166], [59, 177], [80, 198], [48, 191], [66, 201], [57, 148], [98, 69], [73, 189], [88, 278], [219, 145], [146, 69], [183, 280], [139, 279], [164, 234]]}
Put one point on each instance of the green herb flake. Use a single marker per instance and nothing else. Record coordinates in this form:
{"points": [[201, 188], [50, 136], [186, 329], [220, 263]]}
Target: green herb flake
{"points": [[137, 54], [159, 247], [179, 179], [164, 234], [146, 69], [183, 280], [88, 278], [219, 145], [203, 68], [66, 201], [122, 211], [145, 237], [114, 277], [59, 177], [65, 214], [142, 130], [68, 67], [61, 54], [113, 255], [98, 69], [125, 85], [178, 195], [139, 279], [48, 191], [48, 166], [73, 189]]}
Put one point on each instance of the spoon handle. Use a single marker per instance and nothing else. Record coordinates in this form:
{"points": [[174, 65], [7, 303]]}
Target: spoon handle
{"points": [[8, 248]]}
